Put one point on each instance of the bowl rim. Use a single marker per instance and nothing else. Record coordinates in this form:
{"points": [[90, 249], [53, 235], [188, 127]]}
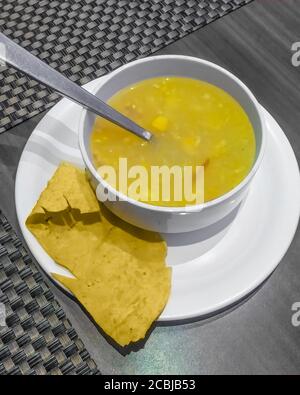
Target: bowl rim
{"points": [[177, 209]]}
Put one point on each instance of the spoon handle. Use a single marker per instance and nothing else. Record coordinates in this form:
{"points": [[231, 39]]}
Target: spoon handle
{"points": [[29, 64]]}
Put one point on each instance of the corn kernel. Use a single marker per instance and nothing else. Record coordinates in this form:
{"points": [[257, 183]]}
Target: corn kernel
{"points": [[160, 123]]}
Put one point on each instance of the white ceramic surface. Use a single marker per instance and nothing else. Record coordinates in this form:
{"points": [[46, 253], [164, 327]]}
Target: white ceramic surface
{"points": [[170, 219], [213, 267]]}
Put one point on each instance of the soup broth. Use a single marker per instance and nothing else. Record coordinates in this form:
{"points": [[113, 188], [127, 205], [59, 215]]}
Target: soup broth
{"points": [[194, 123]]}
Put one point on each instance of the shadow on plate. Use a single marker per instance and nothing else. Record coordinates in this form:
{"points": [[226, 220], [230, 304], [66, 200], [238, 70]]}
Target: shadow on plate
{"points": [[205, 319], [184, 247]]}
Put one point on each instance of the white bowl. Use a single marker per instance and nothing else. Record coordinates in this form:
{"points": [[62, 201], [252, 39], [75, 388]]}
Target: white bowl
{"points": [[173, 219]]}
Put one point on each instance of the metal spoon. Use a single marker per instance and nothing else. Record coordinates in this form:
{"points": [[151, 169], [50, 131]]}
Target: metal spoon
{"points": [[29, 64]]}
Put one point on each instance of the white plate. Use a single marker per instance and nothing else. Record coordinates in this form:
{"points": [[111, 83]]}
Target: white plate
{"points": [[212, 268]]}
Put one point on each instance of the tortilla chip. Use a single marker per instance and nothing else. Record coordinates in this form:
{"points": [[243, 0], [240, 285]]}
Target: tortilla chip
{"points": [[67, 188], [70, 246], [120, 273], [121, 293], [66, 219]]}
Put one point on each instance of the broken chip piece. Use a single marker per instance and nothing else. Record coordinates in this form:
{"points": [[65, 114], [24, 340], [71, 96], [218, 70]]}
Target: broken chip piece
{"points": [[120, 275]]}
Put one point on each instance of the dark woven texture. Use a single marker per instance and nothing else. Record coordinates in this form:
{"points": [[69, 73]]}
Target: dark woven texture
{"points": [[37, 338], [86, 39]]}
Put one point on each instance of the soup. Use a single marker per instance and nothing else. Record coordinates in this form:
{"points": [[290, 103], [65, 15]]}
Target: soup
{"points": [[194, 123]]}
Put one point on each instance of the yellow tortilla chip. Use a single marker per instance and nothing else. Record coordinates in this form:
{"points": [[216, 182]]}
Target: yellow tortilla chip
{"points": [[121, 293], [68, 188], [66, 219], [120, 273], [144, 245], [70, 246]]}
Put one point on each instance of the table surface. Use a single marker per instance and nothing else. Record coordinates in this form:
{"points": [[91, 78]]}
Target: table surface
{"points": [[258, 336]]}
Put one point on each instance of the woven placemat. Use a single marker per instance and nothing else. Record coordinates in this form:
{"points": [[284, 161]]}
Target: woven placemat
{"points": [[37, 338], [86, 39]]}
